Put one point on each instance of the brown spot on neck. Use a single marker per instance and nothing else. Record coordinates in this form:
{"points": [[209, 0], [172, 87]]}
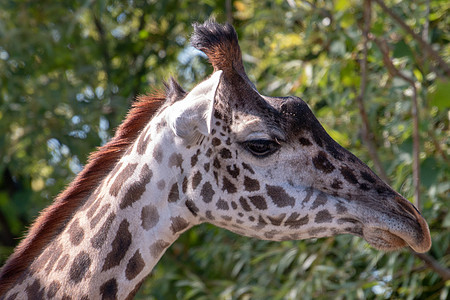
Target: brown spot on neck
{"points": [[120, 246]]}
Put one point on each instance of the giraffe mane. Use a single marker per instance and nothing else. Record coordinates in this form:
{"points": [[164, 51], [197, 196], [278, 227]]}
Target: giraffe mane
{"points": [[54, 218]]}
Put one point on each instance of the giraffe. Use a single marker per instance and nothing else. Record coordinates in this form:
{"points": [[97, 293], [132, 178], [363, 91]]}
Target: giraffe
{"points": [[222, 153]]}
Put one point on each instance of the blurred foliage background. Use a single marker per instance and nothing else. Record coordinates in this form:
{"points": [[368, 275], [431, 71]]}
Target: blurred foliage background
{"points": [[69, 71]]}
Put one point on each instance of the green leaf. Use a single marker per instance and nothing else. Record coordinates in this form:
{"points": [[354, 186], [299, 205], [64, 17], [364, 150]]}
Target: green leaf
{"points": [[401, 49], [440, 97]]}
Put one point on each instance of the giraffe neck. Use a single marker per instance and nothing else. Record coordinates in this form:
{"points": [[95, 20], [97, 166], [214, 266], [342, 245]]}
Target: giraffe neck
{"points": [[113, 242]]}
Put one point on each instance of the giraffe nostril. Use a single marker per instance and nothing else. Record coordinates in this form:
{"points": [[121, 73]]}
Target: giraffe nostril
{"points": [[407, 207]]}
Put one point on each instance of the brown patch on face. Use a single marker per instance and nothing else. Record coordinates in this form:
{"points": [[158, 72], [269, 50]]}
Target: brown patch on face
{"points": [[223, 205], [320, 200], [157, 248], [79, 267], [276, 221], [279, 196], [109, 289], [216, 142], [53, 288], [192, 207], [270, 234], [174, 194], [340, 209], [309, 192], [250, 184], [206, 167], [315, 231], [99, 238], [228, 186], [244, 204], [364, 187], [178, 224], [216, 163], [348, 174], [196, 180], [176, 160], [194, 158], [209, 215], [248, 168], [381, 189], [120, 246], [367, 177], [294, 222], [259, 202], [184, 185], [99, 215], [136, 189], [134, 266], [261, 223], [34, 290], [323, 216], [207, 192], [66, 297], [234, 205], [225, 153], [216, 177], [322, 163], [317, 138], [304, 141], [333, 149], [227, 218], [233, 171], [149, 217], [337, 184], [121, 178]]}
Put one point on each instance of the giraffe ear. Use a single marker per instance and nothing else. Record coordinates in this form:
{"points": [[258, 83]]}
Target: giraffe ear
{"points": [[193, 115]]}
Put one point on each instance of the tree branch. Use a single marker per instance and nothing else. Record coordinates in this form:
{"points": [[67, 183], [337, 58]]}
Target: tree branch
{"points": [[103, 45], [426, 26], [384, 48], [433, 264], [367, 135], [427, 259], [229, 11], [424, 45]]}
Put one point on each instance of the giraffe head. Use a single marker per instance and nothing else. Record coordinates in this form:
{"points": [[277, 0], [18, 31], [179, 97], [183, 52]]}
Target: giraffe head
{"points": [[265, 167]]}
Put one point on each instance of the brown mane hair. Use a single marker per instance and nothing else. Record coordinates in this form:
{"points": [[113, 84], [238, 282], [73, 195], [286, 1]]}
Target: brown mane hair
{"points": [[54, 218]]}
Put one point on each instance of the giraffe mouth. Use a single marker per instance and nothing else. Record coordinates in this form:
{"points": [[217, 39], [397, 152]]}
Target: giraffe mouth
{"points": [[409, 229], [383, 239]]}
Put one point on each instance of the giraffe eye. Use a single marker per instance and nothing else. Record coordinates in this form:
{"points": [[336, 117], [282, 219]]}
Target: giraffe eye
{"points": [[261, 148]]}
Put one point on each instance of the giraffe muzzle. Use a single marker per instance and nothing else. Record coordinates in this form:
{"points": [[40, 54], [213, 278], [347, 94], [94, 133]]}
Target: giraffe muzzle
{"points": [[393, 231]]}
